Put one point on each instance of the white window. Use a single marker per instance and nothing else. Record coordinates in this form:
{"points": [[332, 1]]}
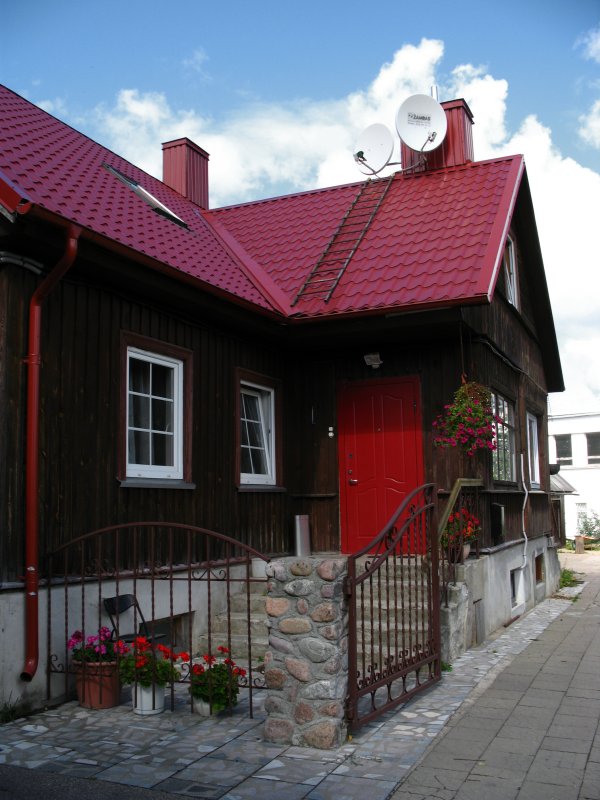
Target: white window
{"points": [[509, 262], [533, 451], [564, 449], [503, 457], [593, 448], [257, 434], [154, 415]]}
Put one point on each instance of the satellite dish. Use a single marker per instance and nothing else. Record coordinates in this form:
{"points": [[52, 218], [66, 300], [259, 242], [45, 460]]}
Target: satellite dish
{"points": [[374, 149], [421, 123]]}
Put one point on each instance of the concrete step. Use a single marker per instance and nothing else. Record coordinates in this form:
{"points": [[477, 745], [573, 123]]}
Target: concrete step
{"points": [[239, 602], [239, 647]]}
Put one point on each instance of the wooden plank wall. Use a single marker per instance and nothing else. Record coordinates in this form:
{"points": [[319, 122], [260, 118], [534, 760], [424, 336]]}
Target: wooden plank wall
{"points": [[80, 423]]}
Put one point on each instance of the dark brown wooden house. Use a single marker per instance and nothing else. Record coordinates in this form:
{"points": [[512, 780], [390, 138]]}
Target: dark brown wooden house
{"points": [[233, 368]]}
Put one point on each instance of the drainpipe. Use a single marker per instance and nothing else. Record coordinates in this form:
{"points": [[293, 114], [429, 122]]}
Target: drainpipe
{"points": [[33, 361], [523, 481]]}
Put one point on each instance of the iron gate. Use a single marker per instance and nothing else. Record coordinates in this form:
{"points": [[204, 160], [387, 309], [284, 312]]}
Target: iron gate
{"points": [[193, 589], [394, 612]]}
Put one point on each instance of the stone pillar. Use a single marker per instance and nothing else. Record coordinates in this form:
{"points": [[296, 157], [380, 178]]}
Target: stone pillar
{"points": [[306, 668]]}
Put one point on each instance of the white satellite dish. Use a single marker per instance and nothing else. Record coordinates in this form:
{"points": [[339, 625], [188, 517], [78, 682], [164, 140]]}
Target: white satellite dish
{"points": [[374, 149], [421, 123]]}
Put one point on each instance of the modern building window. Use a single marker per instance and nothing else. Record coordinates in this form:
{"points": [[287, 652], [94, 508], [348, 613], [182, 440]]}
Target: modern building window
{"points": [[564, 451], [503, 457], [259, 425], [533, 451], [509, 263], [155, 410], [593, 448]]}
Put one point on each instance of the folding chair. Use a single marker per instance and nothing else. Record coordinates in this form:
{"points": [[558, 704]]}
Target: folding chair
{"points": [[116, 606]]}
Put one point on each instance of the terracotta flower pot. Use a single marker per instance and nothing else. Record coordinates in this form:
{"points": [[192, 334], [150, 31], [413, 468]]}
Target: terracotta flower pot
{"points": [[97, 684]]}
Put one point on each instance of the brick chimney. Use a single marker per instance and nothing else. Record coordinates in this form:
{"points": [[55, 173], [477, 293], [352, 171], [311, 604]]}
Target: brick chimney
{"points": [[457, 147], [185, 169]]}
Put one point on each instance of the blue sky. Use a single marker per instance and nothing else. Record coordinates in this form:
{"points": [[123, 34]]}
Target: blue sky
{"points": [[278, 93]]}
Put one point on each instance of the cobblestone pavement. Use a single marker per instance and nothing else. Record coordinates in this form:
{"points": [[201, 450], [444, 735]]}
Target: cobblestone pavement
{"points": [[225, 756]]}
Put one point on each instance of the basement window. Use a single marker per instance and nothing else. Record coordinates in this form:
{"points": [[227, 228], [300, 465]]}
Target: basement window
{"points": [[146, 196]]}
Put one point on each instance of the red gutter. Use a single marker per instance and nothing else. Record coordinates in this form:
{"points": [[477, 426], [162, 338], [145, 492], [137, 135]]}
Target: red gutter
{"points": [[33, 361]]}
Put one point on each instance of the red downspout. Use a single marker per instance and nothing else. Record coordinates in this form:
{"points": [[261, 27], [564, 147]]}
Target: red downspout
{"points": [[33, 362]]}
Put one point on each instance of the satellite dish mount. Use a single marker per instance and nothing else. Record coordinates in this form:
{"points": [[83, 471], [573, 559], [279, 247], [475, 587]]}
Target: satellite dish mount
{"points": [[421, 124]]}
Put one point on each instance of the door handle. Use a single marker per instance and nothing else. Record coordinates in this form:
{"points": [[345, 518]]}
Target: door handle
{"points": [[352, 481]]}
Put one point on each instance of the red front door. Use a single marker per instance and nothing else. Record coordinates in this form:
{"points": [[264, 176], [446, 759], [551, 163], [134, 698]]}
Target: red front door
{"points": [[380, 454]]}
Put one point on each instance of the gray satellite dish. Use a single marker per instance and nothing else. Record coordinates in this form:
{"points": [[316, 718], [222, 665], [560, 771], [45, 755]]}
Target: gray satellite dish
{"points": [[421, 123], [374, 149]]}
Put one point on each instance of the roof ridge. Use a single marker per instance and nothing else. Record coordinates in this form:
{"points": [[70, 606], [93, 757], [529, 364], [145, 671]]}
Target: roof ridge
{"points": [[253, 271]]}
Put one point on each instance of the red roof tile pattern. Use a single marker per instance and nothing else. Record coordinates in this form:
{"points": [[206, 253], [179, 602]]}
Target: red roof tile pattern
{"points": [[60, 169], [436, 240]]}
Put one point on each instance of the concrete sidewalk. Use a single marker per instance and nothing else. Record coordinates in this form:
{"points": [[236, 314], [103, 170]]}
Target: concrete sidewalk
{"points": [[516, 717], [533, 733]]}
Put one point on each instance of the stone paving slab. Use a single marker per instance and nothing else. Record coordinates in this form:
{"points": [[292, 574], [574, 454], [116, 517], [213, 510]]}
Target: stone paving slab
{"points": [[225, 758]]}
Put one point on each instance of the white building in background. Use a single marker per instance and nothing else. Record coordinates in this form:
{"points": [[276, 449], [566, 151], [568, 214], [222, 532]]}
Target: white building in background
{"points": [[574, 443]]}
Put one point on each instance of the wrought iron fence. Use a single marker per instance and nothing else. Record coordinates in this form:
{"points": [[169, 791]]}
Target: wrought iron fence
{"points": [[394, 621], [194, 590]]}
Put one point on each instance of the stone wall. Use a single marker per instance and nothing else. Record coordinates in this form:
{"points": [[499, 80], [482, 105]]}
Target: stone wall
{"points": [[306, 668]]}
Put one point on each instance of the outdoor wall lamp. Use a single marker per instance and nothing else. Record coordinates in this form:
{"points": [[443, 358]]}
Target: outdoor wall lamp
{"points": [[373, 360]]}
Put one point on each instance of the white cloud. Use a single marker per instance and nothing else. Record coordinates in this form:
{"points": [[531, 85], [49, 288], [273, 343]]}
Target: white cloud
{"points": [[590, 125], [263, 149], [590, 42], [196, 63]]}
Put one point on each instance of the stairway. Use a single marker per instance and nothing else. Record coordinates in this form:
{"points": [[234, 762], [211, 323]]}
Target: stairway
{"points": [[234, 630]]}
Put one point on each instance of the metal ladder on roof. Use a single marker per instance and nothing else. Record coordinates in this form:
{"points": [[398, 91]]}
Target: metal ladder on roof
{"points": [[330, 267]]}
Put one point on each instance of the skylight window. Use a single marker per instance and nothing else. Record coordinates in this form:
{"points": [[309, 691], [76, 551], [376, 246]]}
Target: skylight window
{"points": [[146, 196]]}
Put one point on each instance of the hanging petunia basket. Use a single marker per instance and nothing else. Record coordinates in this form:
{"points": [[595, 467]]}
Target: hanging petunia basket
{"points": [[468, 422]]}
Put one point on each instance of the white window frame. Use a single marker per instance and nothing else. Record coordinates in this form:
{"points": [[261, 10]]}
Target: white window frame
{"points": [[509, 263], [593, 459], [266, 406], [564, 461], [504, 463], [172, 471], [533, 451]]}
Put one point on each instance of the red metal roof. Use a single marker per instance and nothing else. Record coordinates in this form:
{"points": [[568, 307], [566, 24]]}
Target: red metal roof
{"points": [[59, 169], [436, 240]]}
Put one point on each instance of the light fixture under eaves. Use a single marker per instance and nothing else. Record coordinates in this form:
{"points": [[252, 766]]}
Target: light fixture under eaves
{"points": [[373, 360]]}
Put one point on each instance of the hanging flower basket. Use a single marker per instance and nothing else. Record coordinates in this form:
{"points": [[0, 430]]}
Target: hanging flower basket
{"points": [[468, 422]]}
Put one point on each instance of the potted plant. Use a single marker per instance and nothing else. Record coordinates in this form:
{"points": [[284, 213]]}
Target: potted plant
{"points": [[461, 530], [214, 683], [149, 668], [468, 422], [94, 662]]}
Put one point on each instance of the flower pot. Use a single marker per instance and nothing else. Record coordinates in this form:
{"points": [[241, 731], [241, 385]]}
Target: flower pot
{"points": [[147, 700], [97, 684], [201, 707]]}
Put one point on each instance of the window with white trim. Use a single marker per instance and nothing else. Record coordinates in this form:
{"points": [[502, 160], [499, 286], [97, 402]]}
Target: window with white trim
{"points": [[593, 448], [564, 449], [503, 457], [154, 441], [257, 434], [509, 265], [533, 451]]}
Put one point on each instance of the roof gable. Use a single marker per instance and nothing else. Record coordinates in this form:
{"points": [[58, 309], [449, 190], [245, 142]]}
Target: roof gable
{"points": [[436, 240]]}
